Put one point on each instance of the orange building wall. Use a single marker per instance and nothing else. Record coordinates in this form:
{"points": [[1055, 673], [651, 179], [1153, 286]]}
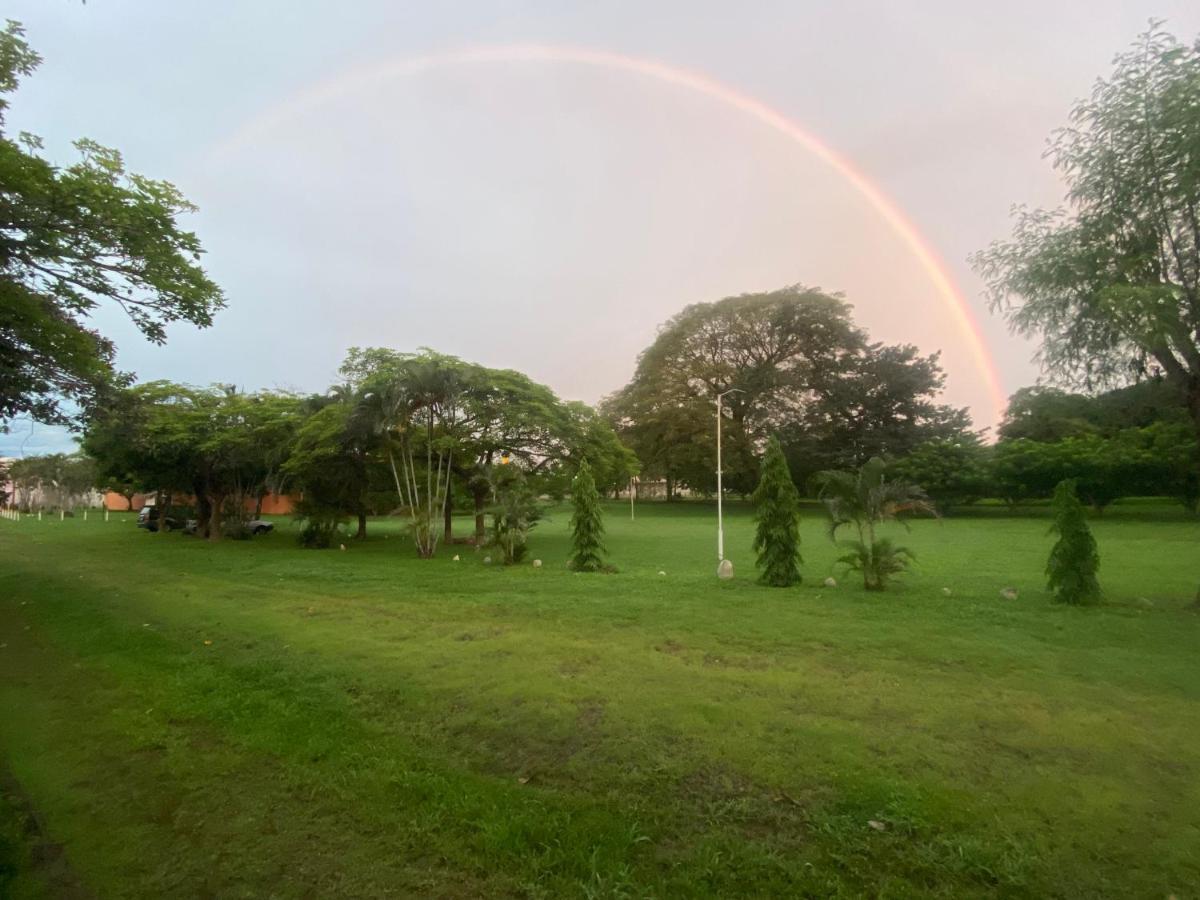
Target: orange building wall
{"points": [[274, 505]]}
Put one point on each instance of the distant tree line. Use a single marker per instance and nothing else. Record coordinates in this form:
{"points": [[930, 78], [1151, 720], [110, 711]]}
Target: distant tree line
{"points": [[418, 434], [1135, 441]]}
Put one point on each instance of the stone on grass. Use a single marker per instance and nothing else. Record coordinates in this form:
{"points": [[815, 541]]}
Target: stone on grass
{"points": [[830, 582], [946, 592], [456, 557], [1009, 593], [725, 570], [537, 563], [661, 572], [877, 825], [342, 546], [487, 560]]}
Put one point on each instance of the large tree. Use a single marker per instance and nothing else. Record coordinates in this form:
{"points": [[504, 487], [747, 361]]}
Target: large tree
{"points": [[795, 364], [73, 238], [218, 445], [488, 415], [1110, 281]]}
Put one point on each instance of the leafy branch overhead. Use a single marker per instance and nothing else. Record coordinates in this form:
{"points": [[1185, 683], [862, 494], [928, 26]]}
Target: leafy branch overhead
{"points": [[71, 239]]}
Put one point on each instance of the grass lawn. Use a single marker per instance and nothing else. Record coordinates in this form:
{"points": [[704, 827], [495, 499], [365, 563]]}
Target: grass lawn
{"points": [[249, 719]]}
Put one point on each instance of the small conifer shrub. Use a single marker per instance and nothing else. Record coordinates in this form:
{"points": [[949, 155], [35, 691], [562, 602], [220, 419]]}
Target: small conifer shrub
{"points": [[587, 523], [777, 517], [1074, 559]]}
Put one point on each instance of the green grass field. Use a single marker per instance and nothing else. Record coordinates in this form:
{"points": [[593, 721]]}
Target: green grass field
{"points": [[250, 719]]}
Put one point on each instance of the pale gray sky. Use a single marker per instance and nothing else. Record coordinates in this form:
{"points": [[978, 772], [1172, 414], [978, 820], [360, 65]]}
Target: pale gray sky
{"points": [[548, 216]]}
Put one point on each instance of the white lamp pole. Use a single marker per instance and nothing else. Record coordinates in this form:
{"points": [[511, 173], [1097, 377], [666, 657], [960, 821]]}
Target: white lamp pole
{"points": [[720, 490]]}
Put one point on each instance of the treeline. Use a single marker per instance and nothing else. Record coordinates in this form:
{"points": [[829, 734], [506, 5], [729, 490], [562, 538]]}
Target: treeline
{"points": [[792, 364], [1137, 441], [419, 434], [56, 481]]}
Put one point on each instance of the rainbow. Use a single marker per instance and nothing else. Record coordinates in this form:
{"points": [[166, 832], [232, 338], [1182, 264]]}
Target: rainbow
{"points": [[360, 77]]}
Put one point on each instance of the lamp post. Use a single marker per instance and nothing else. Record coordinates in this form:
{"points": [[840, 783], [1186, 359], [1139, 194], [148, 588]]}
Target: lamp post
{"points": [[720, 491]]}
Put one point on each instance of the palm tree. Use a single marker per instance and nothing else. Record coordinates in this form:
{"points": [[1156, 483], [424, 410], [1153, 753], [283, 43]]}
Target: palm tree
{"points": [[865, 499], [418, 400]]}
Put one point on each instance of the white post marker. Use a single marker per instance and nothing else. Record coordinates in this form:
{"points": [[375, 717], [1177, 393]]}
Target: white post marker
{"points": [[631, 489], [724, 568], [62, 515], [85, 514], [106, 514], [39, 515]]}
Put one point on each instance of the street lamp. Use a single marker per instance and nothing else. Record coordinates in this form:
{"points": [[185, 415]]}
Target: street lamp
{"points": [[724, 570]]}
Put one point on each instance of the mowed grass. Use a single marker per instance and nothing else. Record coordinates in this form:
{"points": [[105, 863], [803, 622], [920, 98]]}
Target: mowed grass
{"points": [[367, 724]]}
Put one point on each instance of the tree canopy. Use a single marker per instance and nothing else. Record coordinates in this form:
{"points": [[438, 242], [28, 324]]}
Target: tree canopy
{"points": [[799, 367], [1110, 281], [71, 239]]}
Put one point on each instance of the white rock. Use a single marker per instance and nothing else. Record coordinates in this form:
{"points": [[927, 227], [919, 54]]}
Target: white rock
{"points": [[661, 572], [946, 592], [1009, 593], [725, 570], [342, 546], [830, 582], [456, 557], [487, 560], [537, 563], [877, 825]]}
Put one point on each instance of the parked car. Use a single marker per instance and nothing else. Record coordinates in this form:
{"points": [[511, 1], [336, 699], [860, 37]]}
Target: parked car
{"points": [[146, 519], [254, 526]]}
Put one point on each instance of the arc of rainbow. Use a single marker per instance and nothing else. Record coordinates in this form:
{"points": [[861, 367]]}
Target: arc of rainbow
{"points": [[900, 225]]}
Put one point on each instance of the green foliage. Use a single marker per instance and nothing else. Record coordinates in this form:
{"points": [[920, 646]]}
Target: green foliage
{"points": [[1111, 282], [217, 444], [777, 515], [1074, 559], [951, 472], [440, 419], [1159, 460], [330, 462], [803, 371], [514, 514], [318, 522], [587, 523], [865, 499], [73, 238], [879, 561], [1047, 414]]}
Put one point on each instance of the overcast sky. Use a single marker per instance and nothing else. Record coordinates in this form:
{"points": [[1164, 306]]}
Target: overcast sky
{"points": [[548, 216]]}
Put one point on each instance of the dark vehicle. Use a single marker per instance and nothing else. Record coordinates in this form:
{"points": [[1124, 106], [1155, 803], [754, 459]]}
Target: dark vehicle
{"points": [[254, 526], [146, 519]]}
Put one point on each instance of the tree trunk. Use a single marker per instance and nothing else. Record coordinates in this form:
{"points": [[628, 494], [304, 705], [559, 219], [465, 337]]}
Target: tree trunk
{"points": [[258, 504], [361, 534], [160, 511], [448, 515], [203, 508], [480, 527], [670, 488], [216, 501]]}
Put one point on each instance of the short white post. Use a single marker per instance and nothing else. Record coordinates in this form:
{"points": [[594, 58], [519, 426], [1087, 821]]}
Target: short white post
{"points": [[39, 515], [62, 515], [106, 514], [85, 514]]}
